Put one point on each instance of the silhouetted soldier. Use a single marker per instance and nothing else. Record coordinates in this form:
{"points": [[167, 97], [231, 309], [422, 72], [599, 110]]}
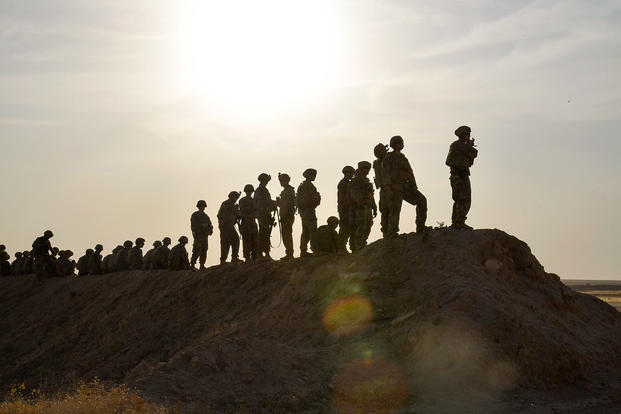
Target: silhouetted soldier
{"points": [[201, 226], [54, 255], [64, 265], [227, 218], [5, 265], [109, 262], [16, 265], [343, 203], [460, 158], [287, 207], [363, 206], [400, 184], [83, 262], [41, 251], [160, 256], [94, 261], [380, 152], [27, 265], [2, 248], [178, 257], [248, 225], [307, 200], [326, 238], [265, 206], [135, 255], [147, 263]]}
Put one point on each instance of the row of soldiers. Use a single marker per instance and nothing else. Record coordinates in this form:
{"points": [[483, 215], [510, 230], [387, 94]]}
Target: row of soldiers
{"points": [[256, 214]]}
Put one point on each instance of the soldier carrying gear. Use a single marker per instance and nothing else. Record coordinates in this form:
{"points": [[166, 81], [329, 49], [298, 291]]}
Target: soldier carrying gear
{"points": [[147, 262], [83, 262], [265, 206], [380, 152], [227, 218], [27, 265], [201, 227], [178, 257], [363, 206], [94, 261], [400, 184], [16, 265], [286, 204], [64, 265], [326, 238], [248, 224], [41, 252], [307, 200], [160, 256], [135, 256], [344, 207], [460, 158]]}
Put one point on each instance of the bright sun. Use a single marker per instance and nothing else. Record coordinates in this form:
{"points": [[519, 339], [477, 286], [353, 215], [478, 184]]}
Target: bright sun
{"points": [[257, 59]]}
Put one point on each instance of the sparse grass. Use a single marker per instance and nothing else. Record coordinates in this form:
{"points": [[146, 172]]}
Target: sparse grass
{"points": [[91, 398]]}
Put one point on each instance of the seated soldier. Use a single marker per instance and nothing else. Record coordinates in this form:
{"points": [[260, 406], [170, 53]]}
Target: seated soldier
{"points": [[326, 237], [178, 257], [5, 265], [64, 266]]}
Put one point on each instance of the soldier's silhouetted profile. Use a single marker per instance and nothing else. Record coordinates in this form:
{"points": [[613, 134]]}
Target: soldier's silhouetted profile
{"points": [[147, 262], [16, 265], [228, 214], [122, 257], [265, 206], [83, 262], [380, 152], [64, 265], [160, 256], [27, 264], [460, 158], [94, 261], [287, 208], [307, 200], [178, 257], [41, 252], [108, 262], [343, 203], [400, 184], [134, 261], [248, 224], [326, 237], [201, 227], [363, 206]]}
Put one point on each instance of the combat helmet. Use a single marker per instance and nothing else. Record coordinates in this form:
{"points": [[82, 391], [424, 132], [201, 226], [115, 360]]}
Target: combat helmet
{"points": [[201, 203], [157, 243], [462, 130], [364, 165], [99, 247], [348, 169], [380, 150], [284, 178], [234, 194], [248, 188], [333, 221], [128, 243], [394, 140], [48, 234], [183, 239], [264, 177], [309, 173]]}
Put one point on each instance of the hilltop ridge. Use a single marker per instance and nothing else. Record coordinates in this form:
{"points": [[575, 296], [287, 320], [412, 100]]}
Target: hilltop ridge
{"points": [[451, 320]]}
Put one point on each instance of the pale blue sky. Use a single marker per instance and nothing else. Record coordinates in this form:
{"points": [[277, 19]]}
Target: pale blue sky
{"points": [[101, 144]]}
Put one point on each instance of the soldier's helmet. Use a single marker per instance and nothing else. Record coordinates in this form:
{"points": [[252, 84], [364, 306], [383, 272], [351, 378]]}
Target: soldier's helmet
{"points": [[117, 249], [128, 243], [4, 255], [309, 173], [201, 203], [26, 253], [284, 178], [380, 150], [234, 194], [89, 251], [48, 234], [68, 253], [166, 240], [364, 165], [348, 169], [157, 243], [98, 247], [18, 255], [395, 140], [248, 188], [264, 177], [55, 250], [2, 247], [139, 240], [183, 239], [462, 130], [333, 221]]}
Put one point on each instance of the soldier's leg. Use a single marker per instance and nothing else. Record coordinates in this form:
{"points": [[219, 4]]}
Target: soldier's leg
{"points": [[383, 211], [416, 198], [304, 237], [460, 189], [254, 242], [245, 241], [195, 250], [287, 235], [312, 230], [344, 228], [234, 245], [368, 223], [224, 244], [394, 211], [203, 256]]}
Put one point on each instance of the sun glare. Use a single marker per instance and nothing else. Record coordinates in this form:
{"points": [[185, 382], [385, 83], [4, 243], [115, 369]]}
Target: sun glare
{"points": [[258, 59]]}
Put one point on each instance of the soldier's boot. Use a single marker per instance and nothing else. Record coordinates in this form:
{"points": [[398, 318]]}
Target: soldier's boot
{"points": [[422, 228], [305, 254], [235, 260]]}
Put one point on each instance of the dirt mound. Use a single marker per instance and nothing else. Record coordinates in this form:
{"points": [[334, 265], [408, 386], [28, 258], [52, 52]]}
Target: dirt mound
{"points": [[449, 320]]}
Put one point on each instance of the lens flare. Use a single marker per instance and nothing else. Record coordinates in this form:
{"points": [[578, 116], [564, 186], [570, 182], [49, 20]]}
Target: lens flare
{"points": [[369, 386], [348, 315]]}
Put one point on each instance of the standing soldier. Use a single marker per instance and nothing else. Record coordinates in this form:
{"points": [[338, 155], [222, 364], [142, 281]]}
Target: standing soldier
{"points": [[308, 199], [286, 204], [380, 152], [460, 158], [147, 263], [135, 256], [201, 226], [178, 257], [41, 252], [248, 225], [326, 239], [400, 184], [94, 261], [265, 206], [344, 206], [363, 206], [160, 256], [227, 218]]}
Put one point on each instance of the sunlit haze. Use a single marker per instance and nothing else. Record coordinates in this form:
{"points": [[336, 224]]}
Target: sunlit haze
{"points": [[116, 117]]}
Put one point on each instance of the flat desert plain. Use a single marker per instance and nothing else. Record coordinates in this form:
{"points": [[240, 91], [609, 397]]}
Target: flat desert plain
{"points": [[607, 290]]}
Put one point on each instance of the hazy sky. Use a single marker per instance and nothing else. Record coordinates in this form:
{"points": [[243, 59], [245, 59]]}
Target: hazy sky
{"points": [[116, 116]]}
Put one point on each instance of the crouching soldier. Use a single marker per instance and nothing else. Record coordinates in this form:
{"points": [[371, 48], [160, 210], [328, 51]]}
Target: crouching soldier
{"points": [[326, 237], [160, 256], [64, 265], [94, 261], [147, 262], [178, 257]]}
